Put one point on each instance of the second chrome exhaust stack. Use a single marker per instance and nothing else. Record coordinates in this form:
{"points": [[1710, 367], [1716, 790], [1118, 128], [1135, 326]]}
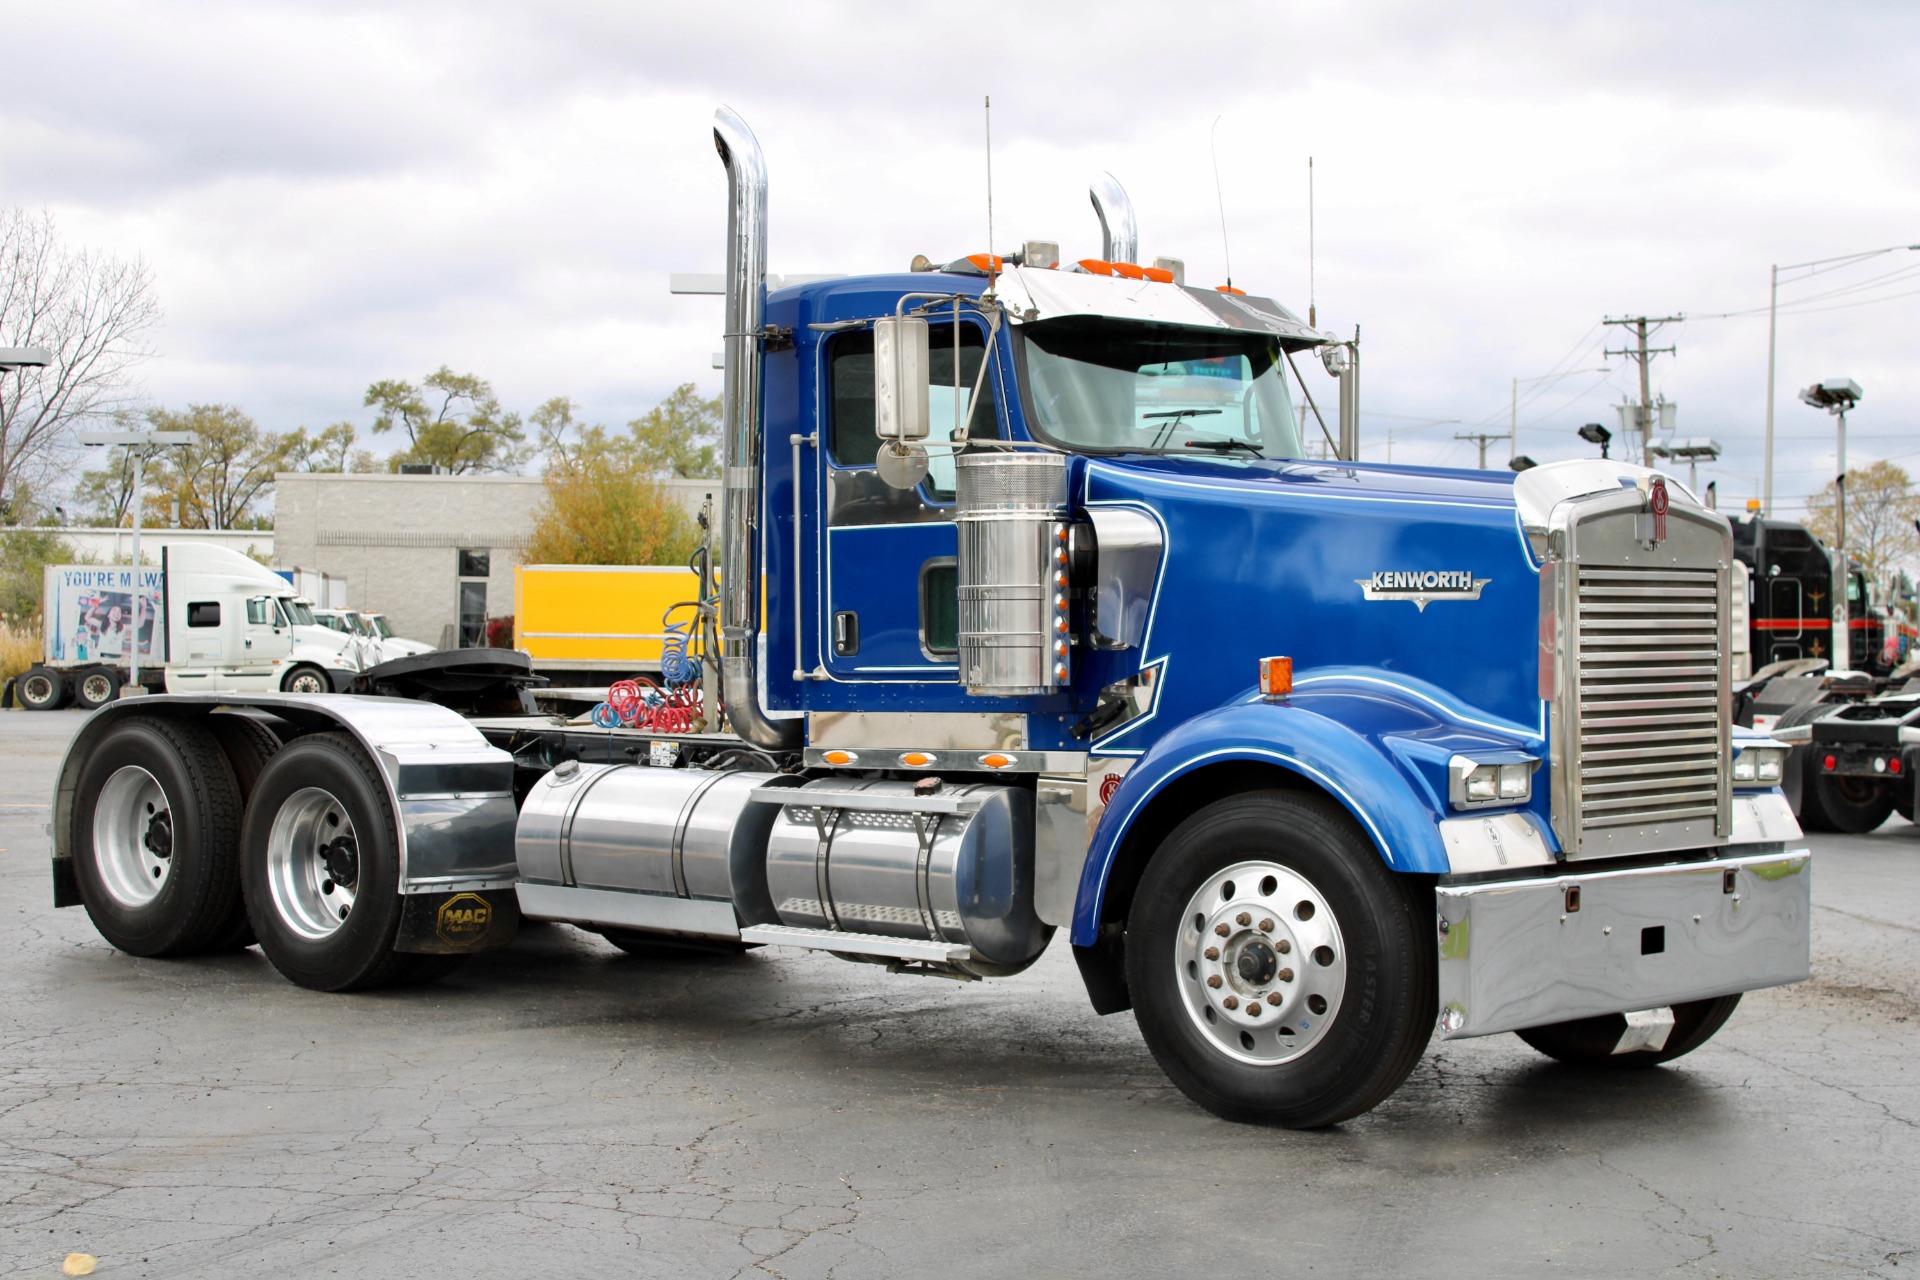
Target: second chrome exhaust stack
{"points": [[740, 439]]}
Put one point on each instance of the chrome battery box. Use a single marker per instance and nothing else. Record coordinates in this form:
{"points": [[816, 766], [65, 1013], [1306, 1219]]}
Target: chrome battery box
{"points": [[1524, 953]]}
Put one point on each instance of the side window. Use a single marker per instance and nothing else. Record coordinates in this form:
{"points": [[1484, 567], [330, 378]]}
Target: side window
{"points": [[940, 607], [259, 611], [203, 613], [850, 414]]}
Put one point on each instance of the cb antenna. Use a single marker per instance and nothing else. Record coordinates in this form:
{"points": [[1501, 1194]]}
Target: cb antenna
{"points": [[988, 111], [1311, 320], [1213, 146]]}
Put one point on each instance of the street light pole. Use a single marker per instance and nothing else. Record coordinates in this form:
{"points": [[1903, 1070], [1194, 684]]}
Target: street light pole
{"points": [[140, 445], [1513, 410], [1773, 326]]}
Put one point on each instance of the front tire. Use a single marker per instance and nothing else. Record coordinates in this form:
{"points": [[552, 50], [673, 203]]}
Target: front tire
{"points": [[321, 867], [1589, 1042], [41, 689], [305, 678], [1273, 901], [155, 837]]}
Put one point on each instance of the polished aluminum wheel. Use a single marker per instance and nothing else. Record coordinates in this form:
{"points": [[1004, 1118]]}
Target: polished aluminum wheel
{"points": [[1261, 962], [313, 863], [133, 836]]}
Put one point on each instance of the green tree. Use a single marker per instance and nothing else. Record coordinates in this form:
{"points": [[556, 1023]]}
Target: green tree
{"points": [[604, 508], [680, 436], [226, 470], [329, 449], [24, 555], [452, 420], [1881, 509]]}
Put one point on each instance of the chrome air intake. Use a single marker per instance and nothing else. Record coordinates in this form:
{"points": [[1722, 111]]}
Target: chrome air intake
{"points": [[1011, 513], [1639, 673]]}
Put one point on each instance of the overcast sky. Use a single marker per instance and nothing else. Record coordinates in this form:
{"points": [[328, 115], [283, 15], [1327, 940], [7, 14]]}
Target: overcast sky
{"points": [[333, 193]]}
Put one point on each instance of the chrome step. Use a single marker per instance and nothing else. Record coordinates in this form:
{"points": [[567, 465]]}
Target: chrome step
{"points": [[861, 944]]}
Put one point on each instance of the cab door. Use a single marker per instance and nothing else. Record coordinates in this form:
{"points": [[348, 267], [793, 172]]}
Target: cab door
{"points": [[888, 607]]}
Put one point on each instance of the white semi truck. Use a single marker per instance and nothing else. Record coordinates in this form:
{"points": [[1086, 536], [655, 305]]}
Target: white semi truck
{"points": [[206, 620]]}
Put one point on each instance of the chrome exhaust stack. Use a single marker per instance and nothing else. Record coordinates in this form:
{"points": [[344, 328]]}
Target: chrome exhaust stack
{"points": [[1119, 233], [740, 439]]}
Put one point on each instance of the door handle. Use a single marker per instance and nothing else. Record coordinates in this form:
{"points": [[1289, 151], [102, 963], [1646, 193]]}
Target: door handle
{"points": [[846, 633]]}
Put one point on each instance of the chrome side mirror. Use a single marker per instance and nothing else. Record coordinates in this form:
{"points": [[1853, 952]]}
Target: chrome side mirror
{"points": [[901, 367]]}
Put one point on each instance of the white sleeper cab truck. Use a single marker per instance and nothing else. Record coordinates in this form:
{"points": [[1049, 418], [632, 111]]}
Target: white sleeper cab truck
{"points": [[1027, 614]]}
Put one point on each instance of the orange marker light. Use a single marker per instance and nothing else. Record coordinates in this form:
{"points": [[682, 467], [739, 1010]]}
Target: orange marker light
{"points": [[995, 760], [985, 261], [1096, 266], [1132, 271], [1227, 288], [1276, 676], [916, 759], [840, 757], [1158, 274]]}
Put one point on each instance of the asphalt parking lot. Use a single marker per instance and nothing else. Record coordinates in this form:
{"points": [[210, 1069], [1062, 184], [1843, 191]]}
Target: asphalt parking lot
{"points": [[560, 1108]]}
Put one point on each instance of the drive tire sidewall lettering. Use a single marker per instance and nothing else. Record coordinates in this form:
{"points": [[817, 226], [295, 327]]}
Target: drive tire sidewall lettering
{"points": [[1386, 1015], [202, 882], [359, 954]]}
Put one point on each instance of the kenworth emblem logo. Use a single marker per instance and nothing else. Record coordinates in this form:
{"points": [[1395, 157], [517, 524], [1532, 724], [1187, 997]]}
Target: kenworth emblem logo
{"points": [[1422, 587], [1657, 504]]}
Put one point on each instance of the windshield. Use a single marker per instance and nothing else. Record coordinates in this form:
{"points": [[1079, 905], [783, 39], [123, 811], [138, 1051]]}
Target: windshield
{"points": [[299, 613], [1124, 386], [379, 621], [358, 624]]}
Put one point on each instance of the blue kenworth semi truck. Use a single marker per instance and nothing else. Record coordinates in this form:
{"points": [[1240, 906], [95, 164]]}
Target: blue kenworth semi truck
{"points": [[1025, 612]]}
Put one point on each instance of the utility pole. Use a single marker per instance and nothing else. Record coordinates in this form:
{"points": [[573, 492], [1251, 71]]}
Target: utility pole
{"points": [[1642, 327], [1481, 438]]}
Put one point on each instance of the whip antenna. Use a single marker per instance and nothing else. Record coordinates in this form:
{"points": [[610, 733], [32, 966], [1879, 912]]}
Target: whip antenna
{"points": [[1213, 146], [988, 111], [1311, 321]]}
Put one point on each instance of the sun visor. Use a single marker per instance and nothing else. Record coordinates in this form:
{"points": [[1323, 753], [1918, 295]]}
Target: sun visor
{"points": [[1033, 294]]}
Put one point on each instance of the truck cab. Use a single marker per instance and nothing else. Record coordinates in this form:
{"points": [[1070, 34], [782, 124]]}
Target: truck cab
{"points": [[1027, 613]]}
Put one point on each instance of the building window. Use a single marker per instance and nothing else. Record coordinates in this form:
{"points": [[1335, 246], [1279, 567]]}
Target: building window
{"points": [[472, 598]]}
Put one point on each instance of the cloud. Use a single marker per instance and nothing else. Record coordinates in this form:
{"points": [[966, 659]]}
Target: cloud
{"points": [[334, 193]]}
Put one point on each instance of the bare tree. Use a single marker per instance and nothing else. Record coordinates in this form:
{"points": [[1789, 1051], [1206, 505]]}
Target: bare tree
{"points": [[92, 311]]}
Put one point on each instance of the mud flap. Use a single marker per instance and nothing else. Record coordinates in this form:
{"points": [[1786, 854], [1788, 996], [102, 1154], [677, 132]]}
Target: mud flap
{"points": [[457, 923]]}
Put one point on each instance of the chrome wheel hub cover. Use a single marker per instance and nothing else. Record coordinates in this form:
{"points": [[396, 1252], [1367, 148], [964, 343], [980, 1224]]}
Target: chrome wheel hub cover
{"points": [[313, 863], [133, 836], [1260, 963]]}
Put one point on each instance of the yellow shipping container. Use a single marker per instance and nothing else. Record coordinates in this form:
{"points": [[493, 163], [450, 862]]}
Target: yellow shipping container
{"points": [[587, 615]]}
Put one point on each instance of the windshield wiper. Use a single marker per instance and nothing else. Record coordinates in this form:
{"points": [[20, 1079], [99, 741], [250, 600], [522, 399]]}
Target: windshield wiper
{"points": [[1173, 417], [1226, 446]]}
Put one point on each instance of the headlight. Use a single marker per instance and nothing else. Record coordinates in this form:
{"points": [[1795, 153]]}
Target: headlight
{"points": [[1760, 766], [1475, 784]]}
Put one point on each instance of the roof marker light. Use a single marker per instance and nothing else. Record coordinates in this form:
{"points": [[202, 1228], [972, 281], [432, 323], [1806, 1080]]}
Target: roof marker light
{"points": [[1159, 275], [1276, 677], [1095, 266], [1227, 288]]}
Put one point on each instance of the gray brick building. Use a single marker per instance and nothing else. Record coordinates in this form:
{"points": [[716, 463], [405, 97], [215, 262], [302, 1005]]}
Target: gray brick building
{"points": [[436, 554]]}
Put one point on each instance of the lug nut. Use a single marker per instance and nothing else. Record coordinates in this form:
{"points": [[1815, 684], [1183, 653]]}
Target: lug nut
{"points": [[1212, 953], [1253, 1008], [1222, 929], [1285, 975], [1243, 919], [1232, 1002], [1266, 926], [1273, 998], [1214, 981], [1283, 946]]}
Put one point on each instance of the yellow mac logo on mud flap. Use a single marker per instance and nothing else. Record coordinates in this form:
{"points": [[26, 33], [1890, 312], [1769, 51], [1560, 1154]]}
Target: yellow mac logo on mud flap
{"points": [[463, 919]]}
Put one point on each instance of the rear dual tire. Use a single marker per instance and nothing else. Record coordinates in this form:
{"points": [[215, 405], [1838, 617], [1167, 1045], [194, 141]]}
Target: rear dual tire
{"points": [[322, 870], [41, 689], [1842, 804]]}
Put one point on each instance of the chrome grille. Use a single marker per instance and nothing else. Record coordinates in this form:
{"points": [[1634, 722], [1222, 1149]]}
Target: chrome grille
{"points": [[1650, 718]]}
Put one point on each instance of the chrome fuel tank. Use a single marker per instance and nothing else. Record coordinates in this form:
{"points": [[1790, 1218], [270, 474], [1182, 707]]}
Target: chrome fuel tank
{"points": [[956, 866], [680, 833]]}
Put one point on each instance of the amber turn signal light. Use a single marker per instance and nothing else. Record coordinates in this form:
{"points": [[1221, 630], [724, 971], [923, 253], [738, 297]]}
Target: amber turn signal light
{"points": [[1276, 676]]}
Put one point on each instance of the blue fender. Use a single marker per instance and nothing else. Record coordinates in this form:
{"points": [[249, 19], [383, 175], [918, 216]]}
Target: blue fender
{"points": [[1378, 746]]}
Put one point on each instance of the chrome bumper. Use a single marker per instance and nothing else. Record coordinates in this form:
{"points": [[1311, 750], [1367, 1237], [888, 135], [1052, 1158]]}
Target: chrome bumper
{"points": [[1523, 953]]}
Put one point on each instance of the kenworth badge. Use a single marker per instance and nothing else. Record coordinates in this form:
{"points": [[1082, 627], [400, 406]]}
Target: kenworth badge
{"points": [[1422, 587]]}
